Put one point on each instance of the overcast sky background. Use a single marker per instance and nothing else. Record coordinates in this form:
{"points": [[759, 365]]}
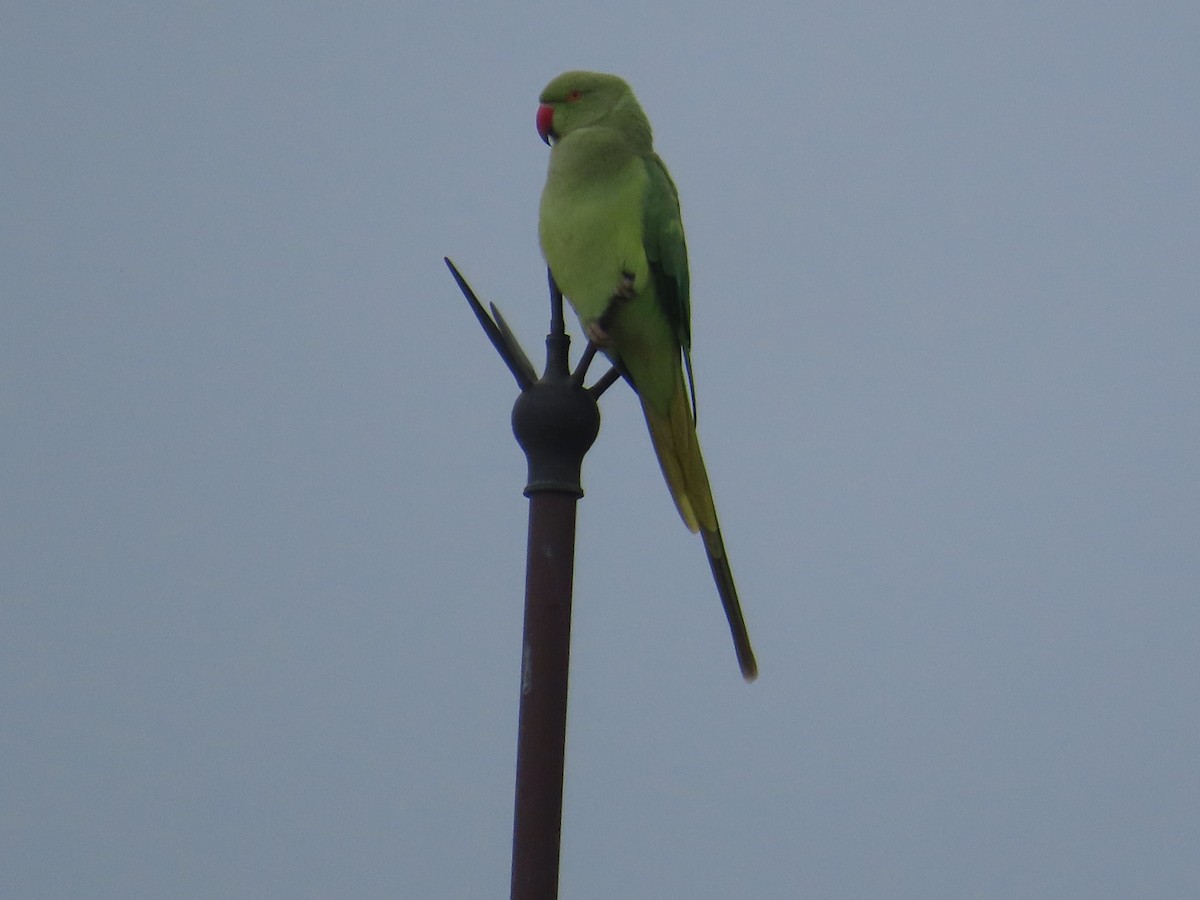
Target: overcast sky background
{"points": [[261, 521]]}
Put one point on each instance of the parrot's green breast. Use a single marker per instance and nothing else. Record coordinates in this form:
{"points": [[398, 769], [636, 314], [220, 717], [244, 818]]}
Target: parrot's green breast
{"points": [[591, 229]]}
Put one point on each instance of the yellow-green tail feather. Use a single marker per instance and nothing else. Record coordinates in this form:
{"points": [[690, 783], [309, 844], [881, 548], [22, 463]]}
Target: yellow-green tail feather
{"points": [[678, 449]]}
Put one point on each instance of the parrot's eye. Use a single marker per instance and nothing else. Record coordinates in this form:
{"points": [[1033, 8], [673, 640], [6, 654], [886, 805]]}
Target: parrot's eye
{"points": [[574, 96]]}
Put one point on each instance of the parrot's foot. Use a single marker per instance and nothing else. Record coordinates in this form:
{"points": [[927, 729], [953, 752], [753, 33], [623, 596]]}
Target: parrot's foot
{"points": [[596, 334], [597, 330]]}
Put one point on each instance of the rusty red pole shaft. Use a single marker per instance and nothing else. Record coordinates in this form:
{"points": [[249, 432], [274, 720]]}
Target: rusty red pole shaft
{"points": [[545, 656]]}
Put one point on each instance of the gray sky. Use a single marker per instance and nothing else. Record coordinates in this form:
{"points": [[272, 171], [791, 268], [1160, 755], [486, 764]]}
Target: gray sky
{"points": [[262, 524]]}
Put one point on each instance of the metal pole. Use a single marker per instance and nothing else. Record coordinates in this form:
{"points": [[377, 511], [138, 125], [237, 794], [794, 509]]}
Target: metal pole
{"points": [[545, 663], [555, 420]]}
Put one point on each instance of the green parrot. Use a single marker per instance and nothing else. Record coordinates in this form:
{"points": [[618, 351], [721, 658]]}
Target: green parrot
{"points": [[612, 234]]}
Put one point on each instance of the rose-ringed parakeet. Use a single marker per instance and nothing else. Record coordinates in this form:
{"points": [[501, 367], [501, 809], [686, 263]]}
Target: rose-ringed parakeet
{"points": [[611, 232]]}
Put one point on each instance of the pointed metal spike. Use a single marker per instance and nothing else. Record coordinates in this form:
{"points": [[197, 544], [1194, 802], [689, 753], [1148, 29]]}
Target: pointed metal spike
{"points": [[610, 377], [589, 353], [502, 339], [518, 356]]}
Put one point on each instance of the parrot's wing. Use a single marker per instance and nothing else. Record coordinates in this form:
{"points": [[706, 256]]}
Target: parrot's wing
{"points": [[666, 252]]}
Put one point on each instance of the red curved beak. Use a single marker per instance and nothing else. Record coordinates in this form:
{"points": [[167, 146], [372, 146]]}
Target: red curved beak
{"points": [[545, 123]]}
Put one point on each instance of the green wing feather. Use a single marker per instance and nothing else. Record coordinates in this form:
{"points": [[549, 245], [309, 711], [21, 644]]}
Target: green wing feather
{"points": [[666, 252], [674, 435]]}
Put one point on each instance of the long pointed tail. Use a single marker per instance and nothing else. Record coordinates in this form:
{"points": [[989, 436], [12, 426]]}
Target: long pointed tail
{"points": [[678, 449], [723, 575]]}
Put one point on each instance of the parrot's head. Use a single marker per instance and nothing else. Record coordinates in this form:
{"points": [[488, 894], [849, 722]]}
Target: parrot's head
{"points": [[576, 100]]}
